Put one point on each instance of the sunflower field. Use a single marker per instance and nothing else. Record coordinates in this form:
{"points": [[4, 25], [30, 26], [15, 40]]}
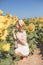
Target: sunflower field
{"points": [[33, 27]]}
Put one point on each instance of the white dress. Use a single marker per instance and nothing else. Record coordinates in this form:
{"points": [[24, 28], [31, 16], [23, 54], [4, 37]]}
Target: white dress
{"points": [[23, 49]]}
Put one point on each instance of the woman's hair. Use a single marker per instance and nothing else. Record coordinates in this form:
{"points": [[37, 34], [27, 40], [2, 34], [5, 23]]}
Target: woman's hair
{"points": [[21, 23]]}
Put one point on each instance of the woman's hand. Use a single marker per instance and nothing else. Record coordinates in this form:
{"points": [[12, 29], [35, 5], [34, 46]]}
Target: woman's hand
{"points": [[20, 40], [13, 30]]}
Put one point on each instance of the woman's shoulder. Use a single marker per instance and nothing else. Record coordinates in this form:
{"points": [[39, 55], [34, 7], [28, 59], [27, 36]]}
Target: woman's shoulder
{"points": [[24, 32], [21, 32]]}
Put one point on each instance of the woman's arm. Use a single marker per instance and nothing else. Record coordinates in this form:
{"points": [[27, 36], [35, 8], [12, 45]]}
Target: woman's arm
{"points": [[21, 41], [13, 34]]}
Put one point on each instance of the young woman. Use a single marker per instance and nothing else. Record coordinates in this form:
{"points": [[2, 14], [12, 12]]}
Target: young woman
{"points": [[22, 45]]}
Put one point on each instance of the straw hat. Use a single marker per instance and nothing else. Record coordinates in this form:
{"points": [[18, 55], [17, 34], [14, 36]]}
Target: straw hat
{"points": [[21, 23]]}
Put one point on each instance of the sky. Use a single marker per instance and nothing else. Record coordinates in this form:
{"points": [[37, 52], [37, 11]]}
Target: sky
{"points": [[22, 8]]}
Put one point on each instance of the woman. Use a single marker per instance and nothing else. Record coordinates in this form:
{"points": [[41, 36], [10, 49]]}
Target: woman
{"points": [[22, 49]]}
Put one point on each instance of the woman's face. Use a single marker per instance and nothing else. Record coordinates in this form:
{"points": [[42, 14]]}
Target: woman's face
{"points": [[17, 25]]}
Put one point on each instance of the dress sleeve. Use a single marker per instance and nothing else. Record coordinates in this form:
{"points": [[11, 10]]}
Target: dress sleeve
{"points": [[24, 37]]}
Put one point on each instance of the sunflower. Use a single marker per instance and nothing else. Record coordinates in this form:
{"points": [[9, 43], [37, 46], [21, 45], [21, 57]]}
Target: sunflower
{"points": [[4, 35], [1, 12], [14, 20], [3, 38], [1, 25], [6, 47], [40, 25], [31, 27], [0, 31]]}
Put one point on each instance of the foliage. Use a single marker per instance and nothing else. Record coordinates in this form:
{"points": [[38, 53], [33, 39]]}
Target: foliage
{"points": [[7, 22], [33, 27]]}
